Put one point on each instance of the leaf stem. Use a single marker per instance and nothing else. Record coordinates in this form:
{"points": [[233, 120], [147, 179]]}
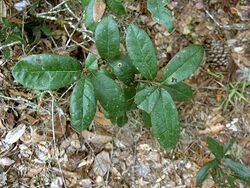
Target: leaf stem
{"points": [[149, 82]]}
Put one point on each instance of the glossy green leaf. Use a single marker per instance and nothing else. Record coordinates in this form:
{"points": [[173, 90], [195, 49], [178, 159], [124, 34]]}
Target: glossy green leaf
{"points": [[82, 104], [165, 121], [179, 92], [147, 98], [91, 62], [146, 119], [215, 147], [107, 38], [238, 168], [109, 94], [160, 14], [228, 145], [141, 51], [204, 170], [183, 64], [89, 20], [116, 6], [47, 71], [123, 69]]}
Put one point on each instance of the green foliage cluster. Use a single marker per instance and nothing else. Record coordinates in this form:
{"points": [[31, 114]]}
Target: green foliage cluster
{"points": [[9, 32], [223, 169], [123, 82]]}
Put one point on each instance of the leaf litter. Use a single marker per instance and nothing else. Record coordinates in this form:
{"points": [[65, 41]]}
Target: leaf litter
{"points": [[110, 156]]}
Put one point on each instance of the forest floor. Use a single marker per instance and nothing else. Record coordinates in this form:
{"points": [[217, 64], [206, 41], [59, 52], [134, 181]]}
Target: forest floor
{"points": [[38, 148]]}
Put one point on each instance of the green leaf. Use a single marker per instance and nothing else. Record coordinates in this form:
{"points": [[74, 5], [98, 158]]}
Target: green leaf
{"points": [[219, 176], [228, 145], [82, 105], [46, 30], [91, 62], [122, 120], [109, 94], [129, 93], [6, 53], [141, 51], [215, 147], [147, 98], [13, 38], [84, 3], [204, 170], [107, 38], [238, 168], [47, 71], [183, 64], [165, 121], [146, 119], [160, 14], [116, 6], [89, 20], [230, 180], [123, 69], [179, 92], [36, 31]]}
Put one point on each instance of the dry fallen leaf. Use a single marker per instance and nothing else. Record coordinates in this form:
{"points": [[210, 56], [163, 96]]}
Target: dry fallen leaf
{"points": [[102, 163], [100, 119], [95, 138], [98, 10], [214, 122], [19, 6], [3, 11], [208, 183], [212, 130], [15, 134], [6, 161]]}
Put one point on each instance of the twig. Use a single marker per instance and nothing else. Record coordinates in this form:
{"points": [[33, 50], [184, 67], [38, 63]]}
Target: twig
{"points": [[23, 47], [54, 138], [69, 88], [50, 12], [111, 158], [134, 162], [9, 45], [234, 26], [71, 12], [25, 101], [81, 30], [57, 6]]}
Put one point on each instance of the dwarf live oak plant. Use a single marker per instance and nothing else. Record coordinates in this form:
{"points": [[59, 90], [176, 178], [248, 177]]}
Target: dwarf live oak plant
{"points": [[121, 83], [223, 169]]}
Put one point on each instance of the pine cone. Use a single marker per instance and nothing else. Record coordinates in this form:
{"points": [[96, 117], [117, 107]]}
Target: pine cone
{"points": [[217, 53]]}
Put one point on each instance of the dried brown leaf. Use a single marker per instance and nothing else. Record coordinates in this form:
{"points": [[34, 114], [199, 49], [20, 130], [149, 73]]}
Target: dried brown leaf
{"points": [[3, 10], [213, 129], [102, 163], [100, 119], [5, 161], [96, 138], [15, 134], [98, 10]]}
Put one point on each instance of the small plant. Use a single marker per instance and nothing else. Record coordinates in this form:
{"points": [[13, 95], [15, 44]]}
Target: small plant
{"points": [[223, 169], [121, 83], [236, 91]]}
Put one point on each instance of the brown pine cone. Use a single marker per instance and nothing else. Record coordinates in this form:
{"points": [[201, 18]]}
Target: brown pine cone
{"points": [[217, 53]]}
